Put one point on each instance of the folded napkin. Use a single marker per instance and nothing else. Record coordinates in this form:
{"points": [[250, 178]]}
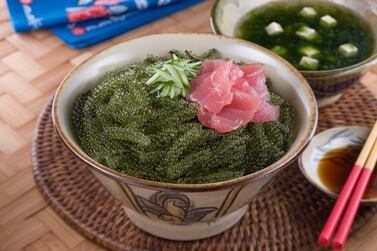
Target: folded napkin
{"points": [[35, 14], [81, 23], [83, 34]]}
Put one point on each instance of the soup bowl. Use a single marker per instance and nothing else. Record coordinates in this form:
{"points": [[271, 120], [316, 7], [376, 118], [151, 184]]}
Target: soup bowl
{"points": [[327, 85], [185, 211]]}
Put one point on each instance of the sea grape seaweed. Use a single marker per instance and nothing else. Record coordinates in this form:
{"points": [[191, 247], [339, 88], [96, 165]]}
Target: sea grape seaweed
{"points": [[124, 126]]}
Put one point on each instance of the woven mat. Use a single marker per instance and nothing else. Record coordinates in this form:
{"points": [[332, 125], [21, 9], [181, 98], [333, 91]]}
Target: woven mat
{"points": [[288, 215]]}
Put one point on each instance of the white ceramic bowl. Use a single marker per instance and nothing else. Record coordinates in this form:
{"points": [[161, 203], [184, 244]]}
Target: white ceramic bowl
{"points": [[184, 211], [325, 142]]}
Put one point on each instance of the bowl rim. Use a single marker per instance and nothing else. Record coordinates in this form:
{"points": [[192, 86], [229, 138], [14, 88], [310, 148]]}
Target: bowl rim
{"points": [[284, 161], [308, 177], [351, 68]]}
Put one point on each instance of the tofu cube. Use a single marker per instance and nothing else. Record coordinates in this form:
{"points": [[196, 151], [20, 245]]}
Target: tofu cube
{"points": [[348, 50], [307, 33], [309, 51], [308, 12], [309, 63], [281, 51], [328, 21], [274, 29]]}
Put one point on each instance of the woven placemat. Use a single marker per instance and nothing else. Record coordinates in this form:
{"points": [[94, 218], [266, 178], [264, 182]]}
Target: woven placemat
{"points": [[288, 215]]}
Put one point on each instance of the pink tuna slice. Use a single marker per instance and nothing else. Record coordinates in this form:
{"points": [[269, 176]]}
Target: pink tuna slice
{"points": [[230, 96], [240, 112], [211, 65], [242, 84], [235, 72], [212, 89], [266, 113], [255, 75]]}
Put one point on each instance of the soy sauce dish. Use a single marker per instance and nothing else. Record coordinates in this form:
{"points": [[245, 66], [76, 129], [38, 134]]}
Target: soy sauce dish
{"points": [[330, 42], [329, 158], [185, 129]]}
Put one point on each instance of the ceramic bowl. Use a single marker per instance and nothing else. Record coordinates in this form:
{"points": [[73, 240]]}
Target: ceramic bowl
{"points": [[327, 85], [184, 211], [325, 142]]}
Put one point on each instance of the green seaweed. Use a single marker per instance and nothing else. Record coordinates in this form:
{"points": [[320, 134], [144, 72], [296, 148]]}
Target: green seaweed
{"points": [[124, 126]]}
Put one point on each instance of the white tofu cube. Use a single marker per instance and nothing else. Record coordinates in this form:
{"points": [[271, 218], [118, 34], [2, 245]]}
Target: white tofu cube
{"points": [[274, 29], [328, 21], [309, 51], [309, 63], [348, 50], [308, 12], [307, 33]]}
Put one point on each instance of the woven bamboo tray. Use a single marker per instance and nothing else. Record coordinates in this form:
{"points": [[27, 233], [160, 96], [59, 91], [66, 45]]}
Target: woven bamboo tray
{"points": [[288, 215]]}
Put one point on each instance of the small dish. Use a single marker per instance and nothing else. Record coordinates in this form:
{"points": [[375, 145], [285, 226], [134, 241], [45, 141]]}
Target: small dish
{"points": [[328, 85], [325, 142]]}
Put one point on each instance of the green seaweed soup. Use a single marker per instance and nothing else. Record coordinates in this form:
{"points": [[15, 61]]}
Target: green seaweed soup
{"points": [[124, 126], [350, 28]]}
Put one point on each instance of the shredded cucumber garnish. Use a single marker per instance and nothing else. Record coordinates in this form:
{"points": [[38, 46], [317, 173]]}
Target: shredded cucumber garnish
{"points": [[172, 77]]}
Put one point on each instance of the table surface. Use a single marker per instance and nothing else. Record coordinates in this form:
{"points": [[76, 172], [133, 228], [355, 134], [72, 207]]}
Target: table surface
{"points": [[31, 67]]}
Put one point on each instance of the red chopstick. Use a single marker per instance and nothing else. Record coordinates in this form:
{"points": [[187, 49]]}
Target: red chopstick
{"points": [[349, 216], [337, 211]]}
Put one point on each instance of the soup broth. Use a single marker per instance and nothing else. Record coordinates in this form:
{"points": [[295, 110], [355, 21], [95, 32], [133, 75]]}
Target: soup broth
{"points": [[310, 36]]}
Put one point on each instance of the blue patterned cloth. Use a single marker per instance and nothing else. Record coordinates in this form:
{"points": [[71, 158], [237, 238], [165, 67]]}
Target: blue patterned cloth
{"points": [[81, 23]]}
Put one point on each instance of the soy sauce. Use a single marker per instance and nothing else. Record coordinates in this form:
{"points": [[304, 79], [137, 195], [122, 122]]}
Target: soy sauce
{"points": [[336, 165]]}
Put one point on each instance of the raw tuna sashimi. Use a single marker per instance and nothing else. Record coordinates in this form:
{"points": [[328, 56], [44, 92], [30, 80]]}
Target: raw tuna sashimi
{"points": [[231, 96], [255, 75], [241, 111], [266, 113], [211, 65], [212, 89]]}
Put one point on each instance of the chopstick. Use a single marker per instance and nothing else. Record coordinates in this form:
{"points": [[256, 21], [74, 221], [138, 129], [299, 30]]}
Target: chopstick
{"points": [[337, 211], [353, 206]]}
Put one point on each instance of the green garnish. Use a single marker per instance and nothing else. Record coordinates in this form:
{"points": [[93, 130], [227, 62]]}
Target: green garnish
{"points": [[281, 51], [172, 77]]}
